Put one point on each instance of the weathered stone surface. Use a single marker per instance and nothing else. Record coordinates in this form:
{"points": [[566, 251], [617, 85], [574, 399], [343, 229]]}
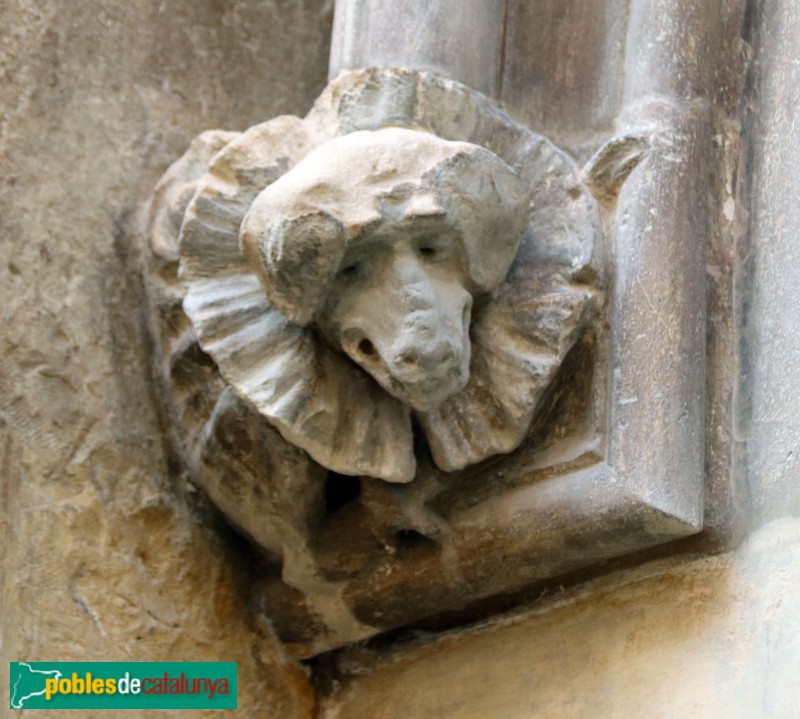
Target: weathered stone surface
{"points": [[276, 223], [704, 638], [768, 275], [328, 214], [461, 39], [518, 338], [101, 556], [99, 97], [711, 637]]}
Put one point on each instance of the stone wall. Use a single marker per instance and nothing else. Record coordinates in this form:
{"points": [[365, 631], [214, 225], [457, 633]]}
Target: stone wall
{"points": [[108, 553], [103, 557]]}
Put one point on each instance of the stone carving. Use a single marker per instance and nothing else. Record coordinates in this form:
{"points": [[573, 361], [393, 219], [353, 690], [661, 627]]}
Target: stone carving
{"points": [[391, 283], [380, 239], [373, 246]]}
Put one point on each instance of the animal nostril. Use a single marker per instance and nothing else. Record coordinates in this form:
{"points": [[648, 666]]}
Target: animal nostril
{"points": [[366, 348], [408, 360]]}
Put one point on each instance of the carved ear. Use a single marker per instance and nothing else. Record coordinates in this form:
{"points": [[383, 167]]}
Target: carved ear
{"points": [[607, 170], [490, 206], [296, 258]]}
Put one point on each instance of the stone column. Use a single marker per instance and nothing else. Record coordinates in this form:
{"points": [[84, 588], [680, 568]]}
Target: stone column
{"points": [[660, 241], [463, 39], [769, 278]]}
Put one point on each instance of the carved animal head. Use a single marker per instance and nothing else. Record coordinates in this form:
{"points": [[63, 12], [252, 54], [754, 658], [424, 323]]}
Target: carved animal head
{"points": [[380, 239]]}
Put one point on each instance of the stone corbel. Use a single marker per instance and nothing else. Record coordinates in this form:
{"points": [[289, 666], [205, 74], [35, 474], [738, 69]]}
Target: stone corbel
{"points": [[386, 355]]}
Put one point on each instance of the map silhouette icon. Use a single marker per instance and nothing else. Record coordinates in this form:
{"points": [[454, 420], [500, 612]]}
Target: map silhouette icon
{"points": [[27, 682]]}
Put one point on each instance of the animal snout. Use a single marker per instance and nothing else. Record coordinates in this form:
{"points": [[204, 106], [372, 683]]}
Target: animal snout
{"points": [[425, 357]]}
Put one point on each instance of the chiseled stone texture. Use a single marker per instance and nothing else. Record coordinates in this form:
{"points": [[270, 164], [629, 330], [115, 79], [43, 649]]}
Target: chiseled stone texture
{"points": [[770, 269], [709, 638], [101, 558], [266, 236]]}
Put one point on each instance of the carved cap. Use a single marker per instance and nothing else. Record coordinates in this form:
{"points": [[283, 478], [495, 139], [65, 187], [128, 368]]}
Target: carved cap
{"points": [[297, 229]]}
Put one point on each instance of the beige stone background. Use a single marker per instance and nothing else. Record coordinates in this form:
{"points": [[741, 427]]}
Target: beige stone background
{"points": [[103, 551], [101, 559], [713, 638]]}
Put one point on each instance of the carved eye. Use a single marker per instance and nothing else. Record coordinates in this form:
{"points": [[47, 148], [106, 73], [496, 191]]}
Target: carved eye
{"points": [[429, 252], [350, 270]]}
